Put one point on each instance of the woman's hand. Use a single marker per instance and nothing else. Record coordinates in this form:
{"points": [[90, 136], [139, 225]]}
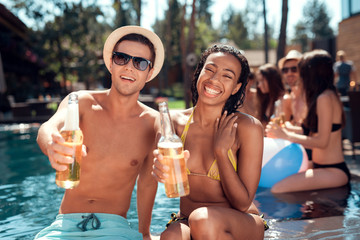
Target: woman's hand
{"points": [[225, 132], [273, 130], [160, 171]]}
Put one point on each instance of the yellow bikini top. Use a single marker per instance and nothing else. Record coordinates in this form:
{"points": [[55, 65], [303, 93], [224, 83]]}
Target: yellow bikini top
{"points": [[214, 170]]}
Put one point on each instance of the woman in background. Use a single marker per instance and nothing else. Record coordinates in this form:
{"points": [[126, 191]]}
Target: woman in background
{"points": [[269, 89], [250, 105]]}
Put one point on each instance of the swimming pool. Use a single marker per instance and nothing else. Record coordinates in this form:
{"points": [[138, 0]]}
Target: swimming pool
{"points": [[29, 197]]}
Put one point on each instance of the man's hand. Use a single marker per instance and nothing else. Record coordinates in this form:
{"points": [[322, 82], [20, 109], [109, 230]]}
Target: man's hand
{"points": [[60, 155]]}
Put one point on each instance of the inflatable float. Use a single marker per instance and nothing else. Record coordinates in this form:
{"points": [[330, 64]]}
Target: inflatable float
{"points": [[281, 158]]}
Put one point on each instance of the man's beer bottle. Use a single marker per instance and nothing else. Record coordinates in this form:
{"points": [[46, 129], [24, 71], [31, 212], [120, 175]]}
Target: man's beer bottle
{"points": [[70, 178], [171, 147]]}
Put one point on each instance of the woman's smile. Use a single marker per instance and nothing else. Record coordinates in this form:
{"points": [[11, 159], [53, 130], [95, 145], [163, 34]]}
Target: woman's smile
{"points": [[211, 91]]}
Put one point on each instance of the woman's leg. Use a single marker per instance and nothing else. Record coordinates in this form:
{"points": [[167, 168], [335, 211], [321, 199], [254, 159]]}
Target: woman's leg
{"points": [[224, 224], [311, 179], [176, 231]]}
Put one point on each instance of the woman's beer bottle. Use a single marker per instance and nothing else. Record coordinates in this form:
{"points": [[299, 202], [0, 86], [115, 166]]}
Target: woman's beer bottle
{"points": [[73, 136], [171, 147]]}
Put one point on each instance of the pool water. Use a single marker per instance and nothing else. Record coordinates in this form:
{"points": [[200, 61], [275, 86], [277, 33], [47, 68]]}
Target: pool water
{"points": [[29, 197]]}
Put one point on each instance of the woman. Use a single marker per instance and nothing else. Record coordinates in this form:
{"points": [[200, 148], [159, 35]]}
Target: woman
{"points": [[250, 104], [321, 129], [211, 130], [269, 89]]}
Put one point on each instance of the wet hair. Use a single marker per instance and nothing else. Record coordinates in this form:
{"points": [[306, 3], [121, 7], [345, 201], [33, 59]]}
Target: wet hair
{"points": [[316, 72], [251, 75], [235, 100], [272, 76], [134, 37]]}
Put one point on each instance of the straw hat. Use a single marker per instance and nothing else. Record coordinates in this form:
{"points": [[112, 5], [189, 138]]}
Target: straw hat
{"points": [[292, 54], [117, 34]]}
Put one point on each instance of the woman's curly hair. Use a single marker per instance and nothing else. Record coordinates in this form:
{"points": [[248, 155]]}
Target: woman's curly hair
{"points": [[235, 100]]}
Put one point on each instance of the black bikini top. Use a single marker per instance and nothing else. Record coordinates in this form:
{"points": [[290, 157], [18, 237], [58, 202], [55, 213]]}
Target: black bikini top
{"points": [[334, 128]]}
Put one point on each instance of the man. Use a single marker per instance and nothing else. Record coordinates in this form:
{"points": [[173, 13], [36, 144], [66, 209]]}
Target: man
{"points": [[119, 137], [344, 73], [294, 102]]}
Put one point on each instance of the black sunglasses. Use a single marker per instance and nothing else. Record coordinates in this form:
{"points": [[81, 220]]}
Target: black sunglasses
{"points": [[139, 63], [292, 69]]}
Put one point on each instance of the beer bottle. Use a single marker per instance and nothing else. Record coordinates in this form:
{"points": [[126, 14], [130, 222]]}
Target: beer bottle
{"points": [[279, 116], [70, 178], [171, 147]]}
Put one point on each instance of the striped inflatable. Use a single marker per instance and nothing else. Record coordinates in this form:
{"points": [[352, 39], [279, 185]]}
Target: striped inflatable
{"points": [[281, 158]]}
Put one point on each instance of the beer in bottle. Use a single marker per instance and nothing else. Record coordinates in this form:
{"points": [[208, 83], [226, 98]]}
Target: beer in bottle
{"points": [[70, 178], [171, 147]]}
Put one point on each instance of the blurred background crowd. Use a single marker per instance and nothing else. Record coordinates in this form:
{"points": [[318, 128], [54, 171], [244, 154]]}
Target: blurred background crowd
{"points": [[49, 48]]}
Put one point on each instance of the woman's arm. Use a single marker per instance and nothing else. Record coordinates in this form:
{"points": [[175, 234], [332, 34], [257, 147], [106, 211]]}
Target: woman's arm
{"points": [[290, 127], [321, 138], [240, 187]]}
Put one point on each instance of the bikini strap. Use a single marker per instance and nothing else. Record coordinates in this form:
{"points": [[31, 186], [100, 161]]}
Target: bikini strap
{"points": [[232, 159], [186, 128]]}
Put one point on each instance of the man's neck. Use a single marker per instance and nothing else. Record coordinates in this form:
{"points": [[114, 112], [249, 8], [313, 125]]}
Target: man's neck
{"points": [[123, 105]]}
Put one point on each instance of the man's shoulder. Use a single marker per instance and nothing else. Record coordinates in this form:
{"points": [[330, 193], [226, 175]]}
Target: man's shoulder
{"points": [[148, 111], [91, 94], [149, 117]]}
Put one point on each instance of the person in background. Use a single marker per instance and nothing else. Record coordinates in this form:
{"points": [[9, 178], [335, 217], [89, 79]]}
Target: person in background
{"points": [[119, 136], [344, 72], [226, 153], [321, 130], [294, 102], [250, 105], [269, 89], [295, 109]]}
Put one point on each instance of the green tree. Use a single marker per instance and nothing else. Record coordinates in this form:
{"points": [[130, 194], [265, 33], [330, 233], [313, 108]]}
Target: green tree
{"points": [[68, 37], [266, 34], [203, 13], [315, 24], [253, 12], [73, 42], [317, 19], [39, 12], [234, 28], [205, 33], [127, 12], [282, 36], [301, 36], [170, 36]]}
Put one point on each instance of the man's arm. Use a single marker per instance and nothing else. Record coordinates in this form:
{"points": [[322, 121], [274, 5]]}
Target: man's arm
{"points": [[287, 107], [49, 137], [146, 192]]}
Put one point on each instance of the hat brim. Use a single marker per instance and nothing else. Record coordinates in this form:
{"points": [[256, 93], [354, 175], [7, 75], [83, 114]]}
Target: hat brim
{"points": [[117, 34], [292, 55]]}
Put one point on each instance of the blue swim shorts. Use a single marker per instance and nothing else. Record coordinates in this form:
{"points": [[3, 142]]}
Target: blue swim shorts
{"points": [[99, 226]]}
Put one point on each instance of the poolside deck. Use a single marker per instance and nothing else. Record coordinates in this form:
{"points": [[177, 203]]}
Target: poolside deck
{"points": [[337, 227]]}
